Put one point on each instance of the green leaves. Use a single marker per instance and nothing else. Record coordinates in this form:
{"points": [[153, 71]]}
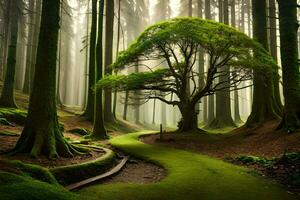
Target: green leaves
{"points": [[133, 81]]}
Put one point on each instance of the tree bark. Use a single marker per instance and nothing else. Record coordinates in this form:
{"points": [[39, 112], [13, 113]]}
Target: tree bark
{"points": [[26, 86], [273, 50], [223, 101], [109, 31], [41, 134], [290, 66], [263, 106], [99, 130], [89, 110], [7, 96]]}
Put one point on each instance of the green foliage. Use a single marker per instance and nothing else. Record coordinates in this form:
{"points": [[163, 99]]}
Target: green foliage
{"points": [[255, 160], [213, 37], [168, 39], [190, 176], [133, 81]]}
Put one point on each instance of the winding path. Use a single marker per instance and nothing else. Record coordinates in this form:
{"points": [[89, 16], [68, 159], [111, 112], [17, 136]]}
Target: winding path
{"points": [[190, 177]]}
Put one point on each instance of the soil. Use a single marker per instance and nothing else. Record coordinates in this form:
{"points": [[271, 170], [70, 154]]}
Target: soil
{"points": [[140, 172], [264, 142]]}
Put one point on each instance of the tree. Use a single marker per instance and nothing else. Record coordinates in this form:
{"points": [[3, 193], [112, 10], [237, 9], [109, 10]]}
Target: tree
{"points": [[290, 64], [99, 130], [171, 42], [89, 110], [273, 49], [109, 35], [7, 96], [41, 134], [264, 106], [223, 116]]}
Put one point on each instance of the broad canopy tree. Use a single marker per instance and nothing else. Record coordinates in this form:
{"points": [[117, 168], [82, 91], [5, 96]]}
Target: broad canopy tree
{"points": [[177, 43]]}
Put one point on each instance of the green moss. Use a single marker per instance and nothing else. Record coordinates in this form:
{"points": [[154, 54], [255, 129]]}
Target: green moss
{"points": [[78, 172], [190, 176], [16, 187], [33, 171], [8, 133], [13, 115]]}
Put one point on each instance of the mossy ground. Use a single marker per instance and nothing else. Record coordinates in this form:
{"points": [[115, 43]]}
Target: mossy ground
{"points": [[190, 176]]}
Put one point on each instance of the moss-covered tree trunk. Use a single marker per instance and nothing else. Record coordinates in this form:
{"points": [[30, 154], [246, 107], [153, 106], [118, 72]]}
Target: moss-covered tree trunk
{"points": [[89, 111], [7, 96], [109, 35], [290, 64], [264, 105], [41, 134], [99, 130]]}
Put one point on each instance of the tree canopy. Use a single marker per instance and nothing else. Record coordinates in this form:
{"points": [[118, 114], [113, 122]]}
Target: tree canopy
{"points": [[176, 43]]}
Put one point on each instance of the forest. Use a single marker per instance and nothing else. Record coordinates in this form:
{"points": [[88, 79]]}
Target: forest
{"points": [[149, 99]]}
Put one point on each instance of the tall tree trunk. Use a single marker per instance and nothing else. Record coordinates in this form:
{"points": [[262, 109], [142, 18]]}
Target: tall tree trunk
{"points": [[273, 50], [109, 34], [190, 8], [237, 117], [263, 108], [7, 96], [89, 111], [5, 38], [41, 134], [117, 52], [290, 64], [211, 98], [99, 130], [223, 101], [201, 69], [26, 86]]}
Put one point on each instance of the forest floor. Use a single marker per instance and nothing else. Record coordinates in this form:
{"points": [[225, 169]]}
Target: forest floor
{"points": [[135, 171], [191, 176], [261, 149]]}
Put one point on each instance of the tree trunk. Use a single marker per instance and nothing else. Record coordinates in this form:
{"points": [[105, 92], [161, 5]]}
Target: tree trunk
{"points": [[211, 98], [189, 121], [99, 130], [7, 96], [117, 52], [201, 69], [223, 103], [109, 34], [273, 51], [263, 107], [237, 117], [290, 66], [26, 86], [41, 134], [89, 111], [125, 105]]}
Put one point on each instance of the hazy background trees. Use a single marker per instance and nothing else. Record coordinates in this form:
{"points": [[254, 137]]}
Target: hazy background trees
{"points": [[129, 18]]}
